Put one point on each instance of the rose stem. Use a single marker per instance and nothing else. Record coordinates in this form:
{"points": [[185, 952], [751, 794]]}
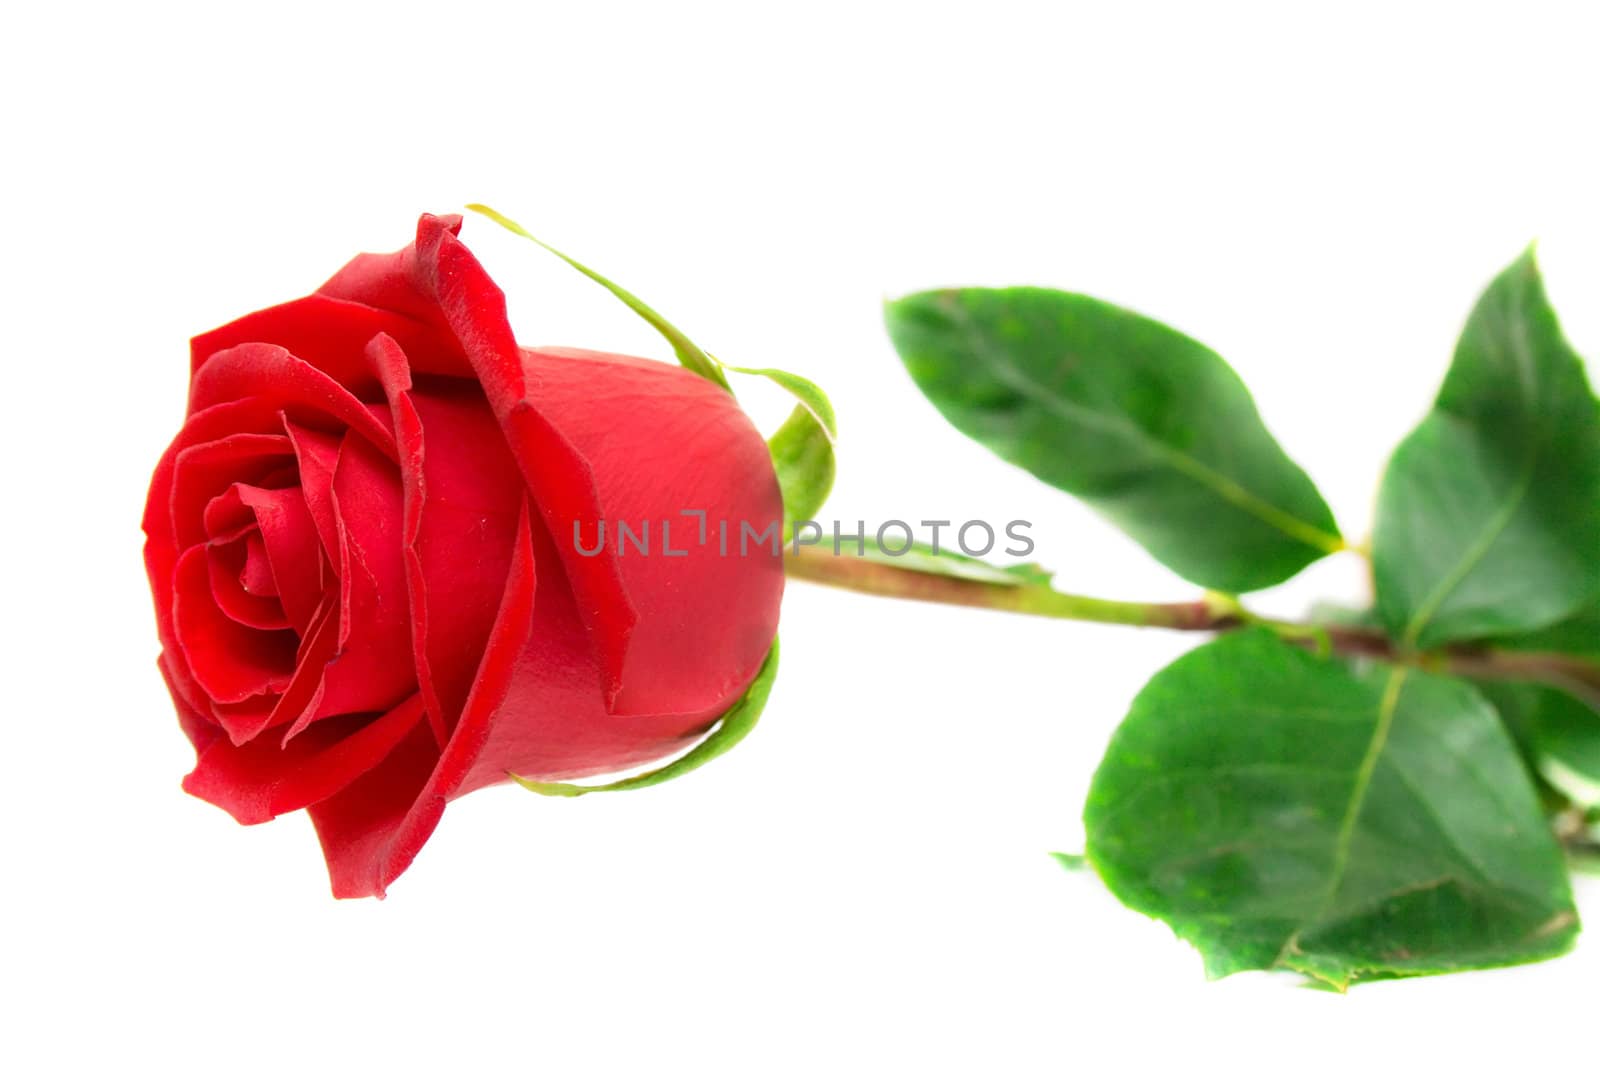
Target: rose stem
{"points": [[1213, 612]]}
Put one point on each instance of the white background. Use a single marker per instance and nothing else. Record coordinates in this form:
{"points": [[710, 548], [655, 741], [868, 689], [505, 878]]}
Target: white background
{"points": [[866, 880]]}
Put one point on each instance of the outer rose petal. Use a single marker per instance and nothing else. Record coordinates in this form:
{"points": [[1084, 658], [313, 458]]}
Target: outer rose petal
{"points": [[670, 440], [330, 333], [200, 731], [401, 283], [463, 497], [555, 722], [613, 437], [537, 708], [275, 378], [372, 831], [257, 782], [436, 280]]}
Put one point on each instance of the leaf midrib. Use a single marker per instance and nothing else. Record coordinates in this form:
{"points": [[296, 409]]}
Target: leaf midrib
{"points": [[1524, 361], [1387, 704], [1476, 551]]}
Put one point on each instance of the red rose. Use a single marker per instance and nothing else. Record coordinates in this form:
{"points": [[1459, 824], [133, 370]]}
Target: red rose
{"points": [[370, 595]]}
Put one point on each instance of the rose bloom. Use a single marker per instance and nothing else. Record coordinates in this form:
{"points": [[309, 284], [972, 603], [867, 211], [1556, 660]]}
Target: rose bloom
{"points": [[369, 591]]}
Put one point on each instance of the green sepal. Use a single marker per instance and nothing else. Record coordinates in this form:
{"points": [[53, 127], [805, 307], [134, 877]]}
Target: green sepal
{"points": [[691, 355], [808, 392], [802, 456]]}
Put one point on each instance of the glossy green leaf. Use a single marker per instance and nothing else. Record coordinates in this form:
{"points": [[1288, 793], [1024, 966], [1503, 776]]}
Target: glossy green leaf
{"points": [[1149, 426], [734, 726], [1559, 734], [1278, 809], [802, 454], [896, 551], [1489, 516]]}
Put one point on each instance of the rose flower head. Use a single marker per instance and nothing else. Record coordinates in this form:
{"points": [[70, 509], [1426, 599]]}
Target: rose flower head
{"points": [[385, 556]]}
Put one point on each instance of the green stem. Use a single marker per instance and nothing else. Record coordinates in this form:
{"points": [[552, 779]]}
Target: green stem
{"points": [[1214, 612], [880, 579]]}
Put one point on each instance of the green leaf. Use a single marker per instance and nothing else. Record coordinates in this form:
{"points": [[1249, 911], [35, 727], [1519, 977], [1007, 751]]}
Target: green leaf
{"points": [[1489, 516], [1559, 734], [1149, 426], [1283, 810], [1071, 861], [802, 455], [734, 726], [896, 551]]}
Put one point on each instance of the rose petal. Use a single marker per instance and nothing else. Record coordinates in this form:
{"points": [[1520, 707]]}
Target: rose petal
{"points": [[329, 333], [226, 516], [200, 731], [401, 283], [230, 662], [706, 615], [668, 440], [555, 723], [371, 831], [255, 577], [372, 667], [559, 478], [275, 377], [563, 486], [162, 545], [206, 471], [292, 550], [387, 362], [317, 454], [226, 565], [462, 500], [259, 781], [248, 720], [536, 708], [465, 534]]}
